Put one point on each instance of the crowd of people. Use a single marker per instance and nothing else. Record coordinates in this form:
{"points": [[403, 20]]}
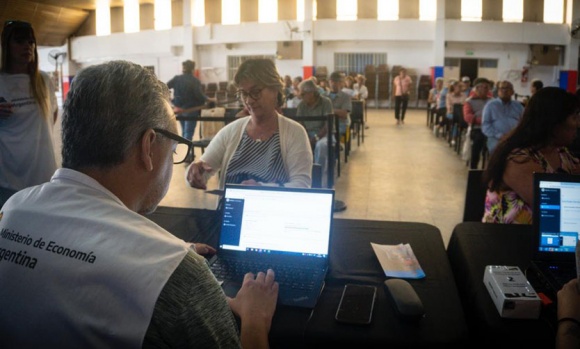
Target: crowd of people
{"points": [[119, 136]]}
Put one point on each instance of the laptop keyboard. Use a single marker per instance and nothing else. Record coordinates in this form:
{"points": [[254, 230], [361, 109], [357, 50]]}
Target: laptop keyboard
{"points": [[288, 276]]}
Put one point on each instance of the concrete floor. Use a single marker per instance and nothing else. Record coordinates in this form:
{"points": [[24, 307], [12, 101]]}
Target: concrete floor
{"points": [[399, 173]]}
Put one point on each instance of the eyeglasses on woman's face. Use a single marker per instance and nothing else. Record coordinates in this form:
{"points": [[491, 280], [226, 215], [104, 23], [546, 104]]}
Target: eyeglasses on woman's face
{"points": [[181, 148], [255, 93]]}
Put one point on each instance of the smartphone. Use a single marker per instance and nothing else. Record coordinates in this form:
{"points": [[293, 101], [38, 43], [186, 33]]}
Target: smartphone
{"points": [[356, 304]]}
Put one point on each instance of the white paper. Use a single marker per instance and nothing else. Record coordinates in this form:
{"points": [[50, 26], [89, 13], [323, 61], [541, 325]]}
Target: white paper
{"points": [[398, 261]]}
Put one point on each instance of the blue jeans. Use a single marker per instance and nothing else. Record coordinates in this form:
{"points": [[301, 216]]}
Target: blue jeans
{"points": [[321, 158], [188, 127]]}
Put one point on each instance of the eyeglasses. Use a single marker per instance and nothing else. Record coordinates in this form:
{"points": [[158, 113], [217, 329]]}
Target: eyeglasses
{"points": [[254, 94], [181, 149]]}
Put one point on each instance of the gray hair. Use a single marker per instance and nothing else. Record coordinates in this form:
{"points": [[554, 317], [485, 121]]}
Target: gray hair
{"points": [[107, 110], [308, 86]]}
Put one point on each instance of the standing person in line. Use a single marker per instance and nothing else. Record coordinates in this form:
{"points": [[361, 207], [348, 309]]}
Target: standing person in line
{"points": [[472, 114], [28, 111], [501, 115], [401, 88], [187, 93], [114, 278], [466, 85]]}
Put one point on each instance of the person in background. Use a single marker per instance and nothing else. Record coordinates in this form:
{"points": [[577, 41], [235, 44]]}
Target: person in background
{"points": [[264, 148], [494, 87], [568, 331], [500, 115], [187, 93], [341, 102], [315, 104], [454, 97], [433, 95], [535, 86], [293, 103], [466, 85], [348, 86], [115, 279], [472, 114], [289, 91], [323, 84], [401, 89], [537, 144], [361, 90], [28, 112]]}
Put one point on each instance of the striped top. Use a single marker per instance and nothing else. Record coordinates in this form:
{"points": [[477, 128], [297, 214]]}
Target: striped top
{"points": [[257, 160]]}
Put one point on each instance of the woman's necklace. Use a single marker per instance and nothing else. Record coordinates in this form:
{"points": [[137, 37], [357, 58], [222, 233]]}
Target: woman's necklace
{"points": [[263, 134]]}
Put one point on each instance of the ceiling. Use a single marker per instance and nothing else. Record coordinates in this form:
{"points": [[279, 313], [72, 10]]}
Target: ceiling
{"points": [[53, 20]]}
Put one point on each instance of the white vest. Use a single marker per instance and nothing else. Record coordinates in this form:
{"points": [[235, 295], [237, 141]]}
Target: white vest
{"points": [[79, 269]]}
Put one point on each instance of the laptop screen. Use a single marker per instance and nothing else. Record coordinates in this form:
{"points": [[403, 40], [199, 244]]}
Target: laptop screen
{"points": [[557, 211], [277, 220]]}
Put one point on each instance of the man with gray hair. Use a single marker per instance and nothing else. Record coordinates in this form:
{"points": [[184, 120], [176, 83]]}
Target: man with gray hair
{"points": [[315, 104], [77, 250]]}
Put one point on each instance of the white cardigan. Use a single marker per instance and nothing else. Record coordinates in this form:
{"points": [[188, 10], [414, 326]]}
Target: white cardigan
{"points": [[294, 146]]}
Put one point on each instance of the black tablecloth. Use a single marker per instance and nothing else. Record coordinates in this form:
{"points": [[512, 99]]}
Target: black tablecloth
{"points": [[352, 260], [472, 247]]}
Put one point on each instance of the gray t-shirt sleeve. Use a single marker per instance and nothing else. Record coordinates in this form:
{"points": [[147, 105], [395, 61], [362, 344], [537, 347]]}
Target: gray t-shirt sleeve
{"points": [[192, 311]]}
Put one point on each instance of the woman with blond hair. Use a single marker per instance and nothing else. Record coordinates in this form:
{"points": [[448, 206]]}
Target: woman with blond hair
{"points": [[28, 111], [263, 148]]}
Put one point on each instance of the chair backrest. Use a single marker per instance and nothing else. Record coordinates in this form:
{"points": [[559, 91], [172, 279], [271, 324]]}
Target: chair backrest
{"points": [[474, 196], [289, 112], [316, 176], [358, 110], [208, 129]]}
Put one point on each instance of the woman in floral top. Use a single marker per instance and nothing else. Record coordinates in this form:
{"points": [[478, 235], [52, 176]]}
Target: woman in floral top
{"points": [[538, 144]]}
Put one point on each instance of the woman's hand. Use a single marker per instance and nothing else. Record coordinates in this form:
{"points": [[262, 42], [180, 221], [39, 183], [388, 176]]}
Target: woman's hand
{"points": [[250, 182], [196, 174]]}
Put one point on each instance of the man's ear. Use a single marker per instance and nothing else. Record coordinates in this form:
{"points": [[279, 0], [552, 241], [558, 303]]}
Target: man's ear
{"points": [[146, 149]]}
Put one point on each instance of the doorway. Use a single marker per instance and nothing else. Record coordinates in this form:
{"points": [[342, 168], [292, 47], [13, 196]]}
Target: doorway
{"points": [[468, 67]]}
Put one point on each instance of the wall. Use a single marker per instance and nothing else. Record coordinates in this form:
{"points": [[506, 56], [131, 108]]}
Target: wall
{"points": [[407, 42]]}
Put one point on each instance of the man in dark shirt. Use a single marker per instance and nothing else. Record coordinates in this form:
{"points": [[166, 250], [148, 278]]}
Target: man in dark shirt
{"points": [[187, 93]]}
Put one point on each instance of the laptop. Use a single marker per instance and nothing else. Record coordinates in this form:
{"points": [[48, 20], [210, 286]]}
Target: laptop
{"points": [[556, 225], [285, 229]]}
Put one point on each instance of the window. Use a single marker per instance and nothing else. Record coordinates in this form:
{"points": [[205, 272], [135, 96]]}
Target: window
{"points": [[488, 63], [131, 16], [356, 62], [267, 11], [230, 11], [553, 11], [513, 11], [162, 9], [471, 10], [198, 13], [103, 14], [387, 10], [346, 10], [427, 10], [235, 61], [451, 62]]}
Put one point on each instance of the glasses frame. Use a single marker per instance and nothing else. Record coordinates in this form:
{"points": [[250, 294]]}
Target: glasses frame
{"points": [[179, 140], [255, 94]]}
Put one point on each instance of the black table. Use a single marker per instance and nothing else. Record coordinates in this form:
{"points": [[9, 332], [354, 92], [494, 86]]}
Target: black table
{"points": [[473, 246], [352, 260]]}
